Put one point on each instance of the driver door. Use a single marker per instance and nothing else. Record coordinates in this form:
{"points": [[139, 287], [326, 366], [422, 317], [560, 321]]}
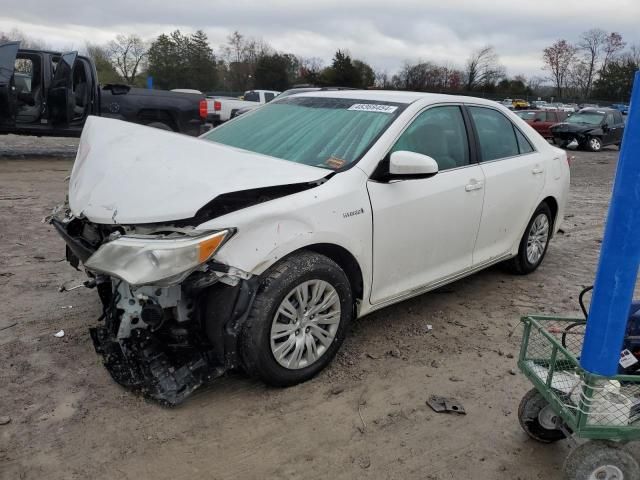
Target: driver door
{"points": [[61, 99], [8, 53], [425, 229]]}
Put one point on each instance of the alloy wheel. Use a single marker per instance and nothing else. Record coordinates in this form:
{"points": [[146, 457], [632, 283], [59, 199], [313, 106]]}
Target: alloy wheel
{"points": [[305, 324], [595, 144], [538, 238]]}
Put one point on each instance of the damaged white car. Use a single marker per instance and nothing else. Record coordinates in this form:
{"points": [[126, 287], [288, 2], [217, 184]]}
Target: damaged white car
{"points": [[254, 246]]}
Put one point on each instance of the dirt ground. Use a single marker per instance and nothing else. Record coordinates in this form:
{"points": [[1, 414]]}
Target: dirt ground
{"points": [[364, 417]]}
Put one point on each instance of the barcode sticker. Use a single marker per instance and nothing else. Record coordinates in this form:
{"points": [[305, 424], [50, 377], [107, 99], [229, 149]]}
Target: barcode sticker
{"points": [[370, 107], [627, 359]]}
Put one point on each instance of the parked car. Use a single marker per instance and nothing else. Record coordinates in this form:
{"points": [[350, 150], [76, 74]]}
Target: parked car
{"points": [[590, 128], [226, 108], [508, 103], [272, 232], [520, 104], [54, 93], [621, 107], [538, 104], [542, 120]]}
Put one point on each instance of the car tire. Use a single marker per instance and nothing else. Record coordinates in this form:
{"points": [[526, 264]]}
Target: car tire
{"points": [[534, 243], [594, 144], [160, 126], [280, 343]]}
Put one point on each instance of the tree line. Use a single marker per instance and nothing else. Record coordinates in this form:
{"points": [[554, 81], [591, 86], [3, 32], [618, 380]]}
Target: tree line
{"points": [[598, 65]]}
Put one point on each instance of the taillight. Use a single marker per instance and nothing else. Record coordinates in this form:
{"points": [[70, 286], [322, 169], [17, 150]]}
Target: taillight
{"points": [[203, 109], [217, 106]]}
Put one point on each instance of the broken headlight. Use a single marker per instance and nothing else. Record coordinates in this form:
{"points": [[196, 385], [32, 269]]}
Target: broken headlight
{"points": [[155, 261]]}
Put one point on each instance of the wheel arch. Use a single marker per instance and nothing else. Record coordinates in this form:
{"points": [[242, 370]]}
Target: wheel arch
{"points": [[552, 203], [345, 260]]}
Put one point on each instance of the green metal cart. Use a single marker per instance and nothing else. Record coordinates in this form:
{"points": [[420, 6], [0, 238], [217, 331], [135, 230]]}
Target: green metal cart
{"points": [[568, 402]]}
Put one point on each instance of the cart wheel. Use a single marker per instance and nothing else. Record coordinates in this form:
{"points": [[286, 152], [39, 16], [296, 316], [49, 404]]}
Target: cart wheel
{"points": [[601, 460], [538, 419]]}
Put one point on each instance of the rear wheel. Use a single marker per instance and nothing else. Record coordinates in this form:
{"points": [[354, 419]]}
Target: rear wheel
{"points": [[594, 144], [534, 242], [601, 460], [298, 320]]}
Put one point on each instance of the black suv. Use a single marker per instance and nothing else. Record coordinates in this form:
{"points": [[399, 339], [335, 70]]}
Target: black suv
{"points": [[590, 128]]}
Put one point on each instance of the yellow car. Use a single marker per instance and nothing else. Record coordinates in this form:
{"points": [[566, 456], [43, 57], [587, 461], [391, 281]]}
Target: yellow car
{"points": [[520, 104]]}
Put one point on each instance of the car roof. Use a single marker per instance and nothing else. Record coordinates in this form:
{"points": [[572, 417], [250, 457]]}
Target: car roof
{"points": [[396, 96], [599, 109]]}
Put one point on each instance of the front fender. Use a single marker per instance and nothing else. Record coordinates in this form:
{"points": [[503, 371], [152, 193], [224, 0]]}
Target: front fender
{"points": [[337, 212]]}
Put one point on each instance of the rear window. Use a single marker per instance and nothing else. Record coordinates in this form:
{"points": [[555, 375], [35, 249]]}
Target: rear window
{"points": [[252, 97]]}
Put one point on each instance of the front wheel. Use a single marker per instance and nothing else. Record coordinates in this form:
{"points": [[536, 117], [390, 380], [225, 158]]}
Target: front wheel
{"points": [[534, 242], [537, 418], [594, 144], [298, 320], [601, 460]]}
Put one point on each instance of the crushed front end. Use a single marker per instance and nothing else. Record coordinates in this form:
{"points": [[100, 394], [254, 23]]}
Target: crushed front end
{"points": [[171, 314]]}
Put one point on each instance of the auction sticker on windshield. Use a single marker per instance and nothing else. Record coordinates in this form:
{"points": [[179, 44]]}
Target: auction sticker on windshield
{"points": [[370, 107]]}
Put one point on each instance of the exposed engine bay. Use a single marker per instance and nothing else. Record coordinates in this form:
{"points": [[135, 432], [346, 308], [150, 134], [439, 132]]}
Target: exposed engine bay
{"points": [[162, 341]]}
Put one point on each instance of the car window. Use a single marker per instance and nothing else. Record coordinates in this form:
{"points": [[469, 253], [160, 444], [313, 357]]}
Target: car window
{"points": [[551, 116], [495, 133], [617, 116], [440, 133], [268, 96], [251, 97], [523, 144], [610, 120]]}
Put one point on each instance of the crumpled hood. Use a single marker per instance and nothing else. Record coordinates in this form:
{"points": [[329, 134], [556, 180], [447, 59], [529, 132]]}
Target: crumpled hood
{"points": [[132, 174], [572, 128]]}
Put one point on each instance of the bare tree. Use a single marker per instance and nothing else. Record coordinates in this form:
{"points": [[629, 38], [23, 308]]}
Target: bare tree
{"points": [[591, 44], [613, 45], [483, 68], [558, 59], [127, 54]]}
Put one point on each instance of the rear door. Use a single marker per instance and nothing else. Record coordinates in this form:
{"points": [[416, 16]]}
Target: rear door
{"points": [[514, 178], [61, 99], [8, 53]]}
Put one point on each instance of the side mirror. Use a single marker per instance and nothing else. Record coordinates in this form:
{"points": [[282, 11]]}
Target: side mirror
{"points": [[404, 164], [605, 127]]}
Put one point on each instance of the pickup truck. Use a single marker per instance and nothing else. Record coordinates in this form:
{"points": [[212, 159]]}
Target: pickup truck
{"points": [[48, 93], [226, 108]]}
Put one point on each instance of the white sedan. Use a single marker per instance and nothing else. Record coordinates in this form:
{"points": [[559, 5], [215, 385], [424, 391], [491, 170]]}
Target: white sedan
{"points": [[254, 246]]}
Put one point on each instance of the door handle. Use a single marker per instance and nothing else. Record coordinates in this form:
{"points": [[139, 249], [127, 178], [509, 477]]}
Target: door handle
{"points": [[537, 171], [473, 186]]}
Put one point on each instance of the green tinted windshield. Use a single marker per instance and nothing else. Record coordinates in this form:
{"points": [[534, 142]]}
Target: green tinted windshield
{"points": [[324, 132], [590, 118]]}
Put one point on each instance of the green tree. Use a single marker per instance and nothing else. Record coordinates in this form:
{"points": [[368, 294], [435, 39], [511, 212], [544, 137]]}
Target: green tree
{"points": [[272, 72], [342, 72], [616, 80], [201, 63], [106, 71], [365, 73]]}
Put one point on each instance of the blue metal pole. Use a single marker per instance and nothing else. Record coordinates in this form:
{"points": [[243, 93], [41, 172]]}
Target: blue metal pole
{"points": [[619, 256]]}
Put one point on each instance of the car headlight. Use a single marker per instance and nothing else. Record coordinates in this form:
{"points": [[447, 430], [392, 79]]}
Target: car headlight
{"points": [[155, 261]]}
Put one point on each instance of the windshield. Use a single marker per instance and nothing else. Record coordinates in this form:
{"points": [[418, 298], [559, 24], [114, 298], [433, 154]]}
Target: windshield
{"points": [[589, 118], [323, 132]]}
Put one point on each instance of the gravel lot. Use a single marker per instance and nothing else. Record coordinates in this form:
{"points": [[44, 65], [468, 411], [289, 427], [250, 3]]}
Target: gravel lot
{"points": [[364, 417]]}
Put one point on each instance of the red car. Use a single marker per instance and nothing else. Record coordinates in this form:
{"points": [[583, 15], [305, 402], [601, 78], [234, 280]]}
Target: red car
{"points": [[541, 120]]}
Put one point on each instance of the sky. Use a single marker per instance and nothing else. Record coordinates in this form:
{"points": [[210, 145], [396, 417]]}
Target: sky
{"points": [[384, 33]]}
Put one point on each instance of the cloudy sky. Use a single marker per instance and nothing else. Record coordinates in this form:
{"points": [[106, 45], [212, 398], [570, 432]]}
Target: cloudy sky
{"points": [[384, 33]]}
